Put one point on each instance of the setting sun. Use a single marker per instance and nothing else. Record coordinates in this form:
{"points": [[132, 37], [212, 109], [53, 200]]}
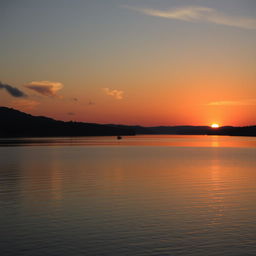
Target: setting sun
{"points": [[215, 125]]}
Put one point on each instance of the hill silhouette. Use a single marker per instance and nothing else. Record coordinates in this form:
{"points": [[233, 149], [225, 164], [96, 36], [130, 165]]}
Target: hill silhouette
{"points": [[206, 130], [193, 130], [15, 123]]}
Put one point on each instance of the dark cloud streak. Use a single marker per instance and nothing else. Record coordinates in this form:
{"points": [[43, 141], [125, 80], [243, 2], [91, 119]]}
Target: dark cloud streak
{"points": [[15, 92]]}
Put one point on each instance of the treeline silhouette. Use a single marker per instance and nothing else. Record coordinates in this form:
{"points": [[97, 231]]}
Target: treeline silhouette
{"points": [[15, 123]]}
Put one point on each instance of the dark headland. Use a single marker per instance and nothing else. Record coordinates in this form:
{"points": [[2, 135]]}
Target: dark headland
{"points": [[14, 123]]}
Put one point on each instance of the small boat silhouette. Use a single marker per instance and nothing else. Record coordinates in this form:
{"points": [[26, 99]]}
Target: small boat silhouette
{"points": [[119, 137]]}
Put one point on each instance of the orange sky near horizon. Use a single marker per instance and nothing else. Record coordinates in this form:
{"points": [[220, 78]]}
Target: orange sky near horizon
{"points": [[109, 63]]}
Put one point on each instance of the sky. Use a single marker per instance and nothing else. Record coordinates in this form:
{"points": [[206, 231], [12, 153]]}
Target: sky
{"points": [[146, 62]]}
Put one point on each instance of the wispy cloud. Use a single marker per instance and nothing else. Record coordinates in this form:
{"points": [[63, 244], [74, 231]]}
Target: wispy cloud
{"points": [[13, 91], [200, 13], [248, 102], [46, 88], [114, 93]]}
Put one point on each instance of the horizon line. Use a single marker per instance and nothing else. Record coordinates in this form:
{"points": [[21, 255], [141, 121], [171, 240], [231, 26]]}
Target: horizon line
{"points": [[120, 124]]}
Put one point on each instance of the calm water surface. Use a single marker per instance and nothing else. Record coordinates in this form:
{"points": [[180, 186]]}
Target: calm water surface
{"points": [[143, 195]]}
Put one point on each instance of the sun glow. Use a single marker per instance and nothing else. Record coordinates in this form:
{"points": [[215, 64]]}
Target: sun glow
{"points": [[215, 125]]}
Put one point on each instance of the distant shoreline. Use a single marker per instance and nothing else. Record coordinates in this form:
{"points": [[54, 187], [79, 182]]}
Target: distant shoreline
{"points": [[17, 124]]}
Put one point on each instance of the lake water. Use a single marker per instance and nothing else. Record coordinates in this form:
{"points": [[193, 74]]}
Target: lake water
{"points": [[142, 195]]}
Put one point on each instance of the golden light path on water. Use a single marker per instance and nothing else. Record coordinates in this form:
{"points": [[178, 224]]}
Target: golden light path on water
{"points": [[138, 140]]}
